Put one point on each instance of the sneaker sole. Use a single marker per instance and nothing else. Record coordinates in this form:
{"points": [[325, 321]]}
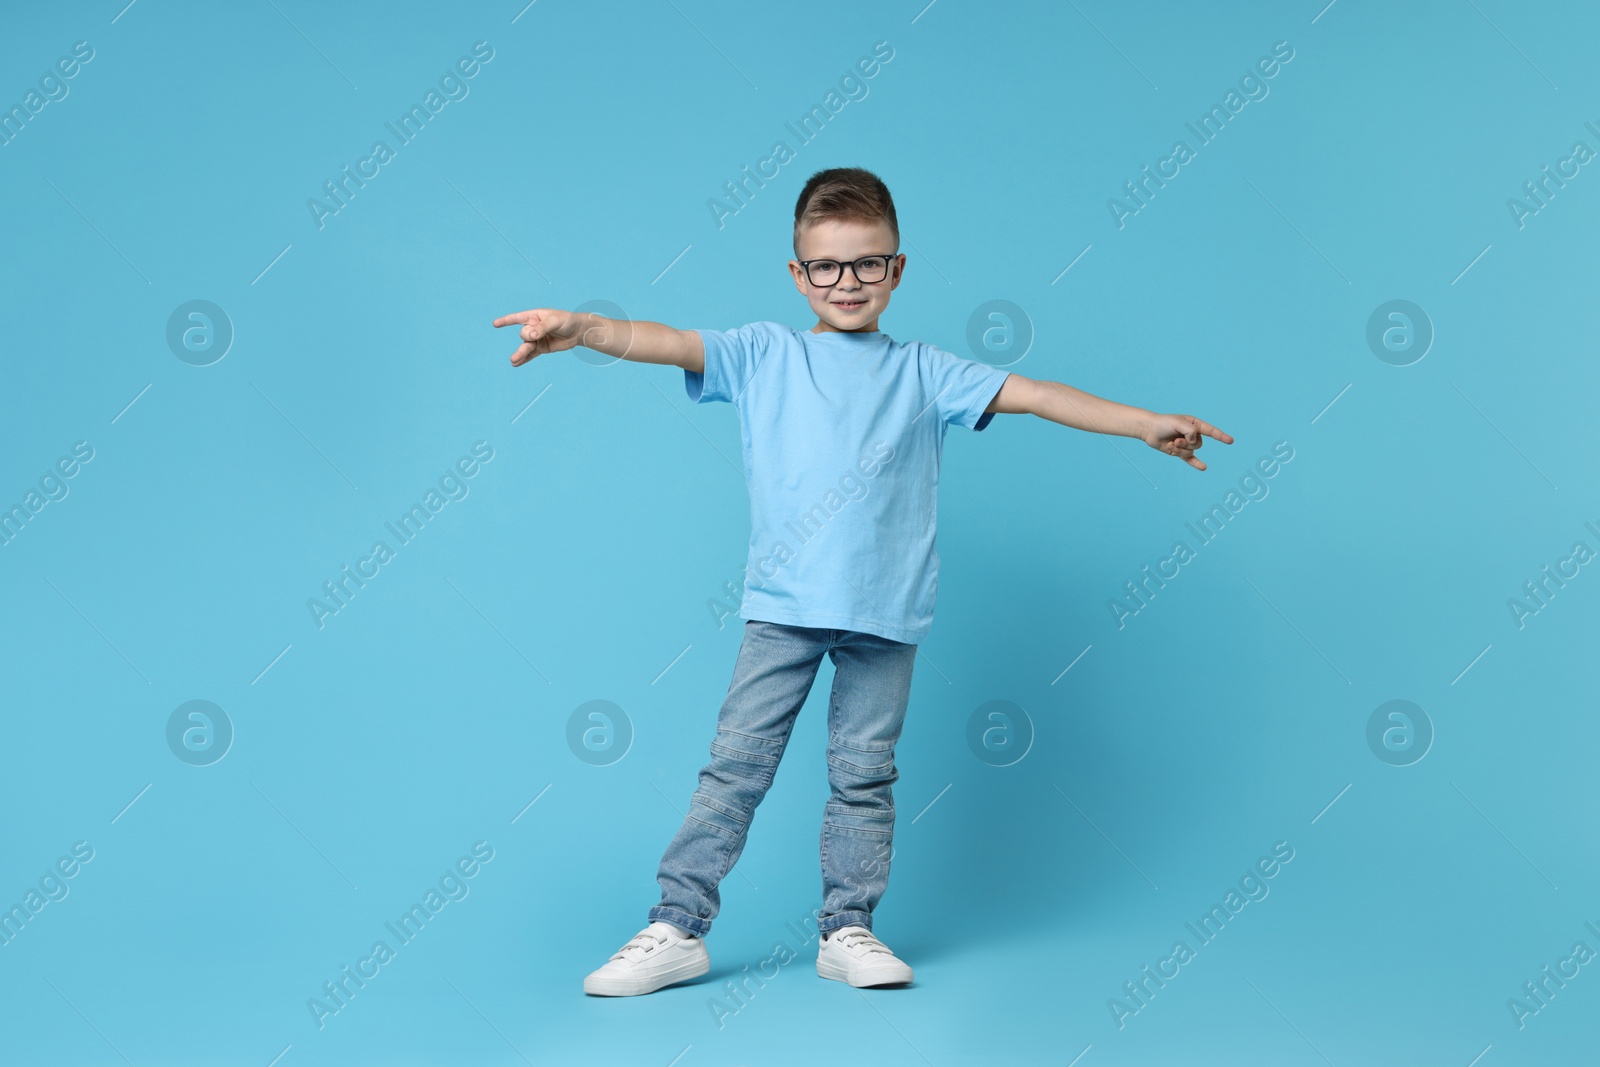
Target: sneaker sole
{"points": [[865, 980], [633, 987]]}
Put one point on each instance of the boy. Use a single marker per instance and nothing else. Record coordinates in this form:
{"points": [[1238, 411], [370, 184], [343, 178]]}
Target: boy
{"points": [[842, 434]]}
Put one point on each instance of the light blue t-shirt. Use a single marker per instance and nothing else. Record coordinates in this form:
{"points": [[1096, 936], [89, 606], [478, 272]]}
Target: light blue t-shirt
{"points": [[842, 433]]}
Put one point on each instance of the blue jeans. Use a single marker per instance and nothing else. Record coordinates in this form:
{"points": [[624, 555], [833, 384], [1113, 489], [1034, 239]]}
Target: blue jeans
{"points": [[777, 664]]}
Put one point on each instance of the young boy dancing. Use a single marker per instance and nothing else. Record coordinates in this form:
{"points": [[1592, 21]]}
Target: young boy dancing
{"points": [[842, 431]]}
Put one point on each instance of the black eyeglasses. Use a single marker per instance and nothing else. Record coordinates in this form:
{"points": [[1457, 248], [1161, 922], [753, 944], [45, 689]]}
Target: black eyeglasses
{"points": [[867, 269]]}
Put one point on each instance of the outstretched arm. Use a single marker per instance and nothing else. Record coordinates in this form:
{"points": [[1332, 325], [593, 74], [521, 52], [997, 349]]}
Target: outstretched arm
{"points": [[546, 330], [1176, 435]]}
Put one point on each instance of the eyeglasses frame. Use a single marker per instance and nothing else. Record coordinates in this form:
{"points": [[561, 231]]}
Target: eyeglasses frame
{"points": [[889, 257]]}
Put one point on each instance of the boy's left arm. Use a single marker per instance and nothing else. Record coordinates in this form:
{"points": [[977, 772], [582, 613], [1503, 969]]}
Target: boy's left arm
{"points": [[1176, 435]]}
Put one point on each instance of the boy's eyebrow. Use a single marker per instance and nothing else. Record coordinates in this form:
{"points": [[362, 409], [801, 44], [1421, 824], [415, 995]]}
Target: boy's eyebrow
{"points": [[843, 257]]}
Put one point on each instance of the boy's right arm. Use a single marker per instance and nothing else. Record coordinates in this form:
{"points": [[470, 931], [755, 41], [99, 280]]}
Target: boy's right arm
{"points": [[550, 330]]}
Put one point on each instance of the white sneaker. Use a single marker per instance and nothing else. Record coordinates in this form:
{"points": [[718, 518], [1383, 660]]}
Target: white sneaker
{"points": [[851, 954], [657, 956]]}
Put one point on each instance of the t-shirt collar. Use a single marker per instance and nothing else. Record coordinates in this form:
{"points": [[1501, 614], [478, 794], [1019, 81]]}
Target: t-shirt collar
{"points": [[848, 337]]}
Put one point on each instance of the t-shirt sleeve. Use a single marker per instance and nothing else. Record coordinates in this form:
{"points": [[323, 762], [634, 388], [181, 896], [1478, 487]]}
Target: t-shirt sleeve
{"points": [[962, 388], [732, 358]]}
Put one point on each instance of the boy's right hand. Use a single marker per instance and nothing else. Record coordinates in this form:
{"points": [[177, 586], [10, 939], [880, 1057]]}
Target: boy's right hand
{"points": [[543, 330], [549, 330]]}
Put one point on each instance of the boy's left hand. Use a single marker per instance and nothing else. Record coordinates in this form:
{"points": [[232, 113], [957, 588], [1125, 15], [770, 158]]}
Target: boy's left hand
{"points": [[1180, 435]]}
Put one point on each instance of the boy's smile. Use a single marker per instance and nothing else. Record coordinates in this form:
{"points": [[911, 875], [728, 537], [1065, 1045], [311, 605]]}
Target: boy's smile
{"points": [[849, 305]]}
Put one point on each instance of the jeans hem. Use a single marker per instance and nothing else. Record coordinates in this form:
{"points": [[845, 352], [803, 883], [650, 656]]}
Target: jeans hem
{"points": [[678, 917], [829, 923]]}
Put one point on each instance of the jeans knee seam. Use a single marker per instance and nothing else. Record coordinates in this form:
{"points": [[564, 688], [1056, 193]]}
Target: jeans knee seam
{"points": [[723, 830]]}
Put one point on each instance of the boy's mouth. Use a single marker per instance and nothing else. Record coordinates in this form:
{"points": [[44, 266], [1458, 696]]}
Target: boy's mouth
{"points": [[849, 305]]}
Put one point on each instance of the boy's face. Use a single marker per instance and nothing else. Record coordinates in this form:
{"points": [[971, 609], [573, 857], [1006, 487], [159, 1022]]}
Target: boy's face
{"points": [[849, 305]]}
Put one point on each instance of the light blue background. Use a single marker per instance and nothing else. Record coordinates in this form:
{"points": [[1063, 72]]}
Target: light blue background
{"points": [[427, 714]]}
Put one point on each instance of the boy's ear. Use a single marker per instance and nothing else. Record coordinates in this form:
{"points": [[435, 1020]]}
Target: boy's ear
{"points": [[798, 274], [899, 271]]}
